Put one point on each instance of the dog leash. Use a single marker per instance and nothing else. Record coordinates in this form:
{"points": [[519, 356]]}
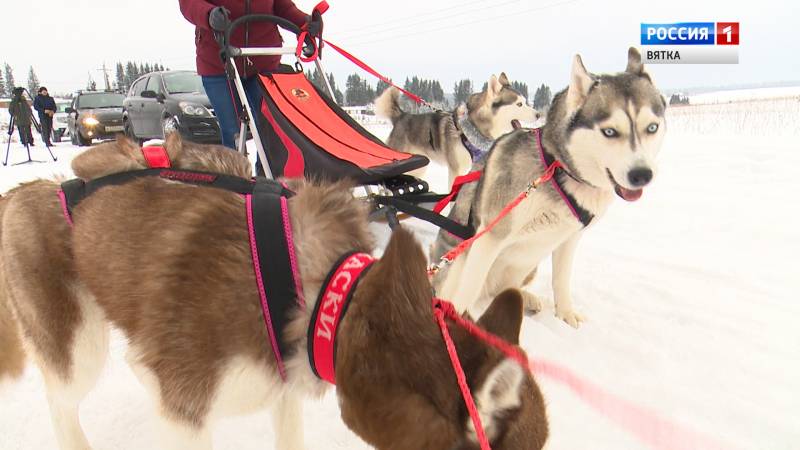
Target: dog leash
{"points": [[647, 426], [444, 310], [450, 256]]}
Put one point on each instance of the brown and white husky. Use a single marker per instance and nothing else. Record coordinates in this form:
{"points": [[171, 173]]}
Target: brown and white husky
{"points": [[169, 265]]}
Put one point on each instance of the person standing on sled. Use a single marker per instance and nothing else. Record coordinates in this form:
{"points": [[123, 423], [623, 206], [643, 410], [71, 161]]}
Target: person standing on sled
{"points": [[210, 16], [21, 114]]}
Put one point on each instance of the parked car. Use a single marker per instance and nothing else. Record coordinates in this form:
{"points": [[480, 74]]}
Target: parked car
{"points": [[162, 102], [60, 119], [95, 115]]}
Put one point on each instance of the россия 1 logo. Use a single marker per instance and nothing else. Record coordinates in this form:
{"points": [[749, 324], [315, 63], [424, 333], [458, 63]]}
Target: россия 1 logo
{"points": [[690, 43]]}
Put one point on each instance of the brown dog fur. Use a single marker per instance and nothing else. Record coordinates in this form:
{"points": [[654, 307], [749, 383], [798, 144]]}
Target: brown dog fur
{"points": [[385, 396], [35, 238], [169, 264]]}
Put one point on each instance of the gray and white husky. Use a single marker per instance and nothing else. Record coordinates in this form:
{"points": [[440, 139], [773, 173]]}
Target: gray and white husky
{"points": [[455, 139], [606, 131]]}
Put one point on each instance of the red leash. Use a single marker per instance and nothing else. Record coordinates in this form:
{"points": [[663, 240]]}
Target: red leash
{"points": [[450, 256], [443, 310], [377, 75]]}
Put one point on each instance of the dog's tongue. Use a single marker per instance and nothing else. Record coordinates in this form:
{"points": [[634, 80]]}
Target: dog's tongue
{"points": [[515, 124], [630, 195]]}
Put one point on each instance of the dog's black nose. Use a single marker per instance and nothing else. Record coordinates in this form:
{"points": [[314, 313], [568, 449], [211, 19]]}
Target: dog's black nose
{"points": [[640, 177]]}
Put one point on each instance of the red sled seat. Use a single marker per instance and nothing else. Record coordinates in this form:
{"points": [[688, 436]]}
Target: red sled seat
{"points": [[306, 134]]}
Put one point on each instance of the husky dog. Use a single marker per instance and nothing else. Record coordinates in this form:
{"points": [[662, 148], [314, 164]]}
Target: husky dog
{"points": [[606, 131], [176, 277], [438, 135]]}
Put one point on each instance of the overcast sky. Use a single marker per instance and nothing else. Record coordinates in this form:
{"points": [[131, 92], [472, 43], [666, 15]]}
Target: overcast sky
{"points": [[67, 41]]}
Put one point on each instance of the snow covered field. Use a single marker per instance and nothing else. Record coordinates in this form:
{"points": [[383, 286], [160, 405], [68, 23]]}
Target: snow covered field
{"points": [[690, 297]]}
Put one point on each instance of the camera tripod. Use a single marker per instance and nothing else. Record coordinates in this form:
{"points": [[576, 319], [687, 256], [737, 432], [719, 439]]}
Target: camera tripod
{"points": [[25, 135]]}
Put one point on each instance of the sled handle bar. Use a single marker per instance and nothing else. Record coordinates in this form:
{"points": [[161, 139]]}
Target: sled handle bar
{"points": [[280, 21], [230, 51]]}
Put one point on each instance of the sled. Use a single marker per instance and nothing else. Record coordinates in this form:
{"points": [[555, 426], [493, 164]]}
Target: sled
{"points": [[300, 131]]}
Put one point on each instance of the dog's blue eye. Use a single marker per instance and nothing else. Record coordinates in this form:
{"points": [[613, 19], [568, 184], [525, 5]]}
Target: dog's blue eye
{"points": [[609, 132], [652, 128]]}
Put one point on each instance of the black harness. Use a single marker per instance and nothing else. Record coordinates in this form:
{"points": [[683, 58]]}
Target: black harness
{"points": [[268, 226]]}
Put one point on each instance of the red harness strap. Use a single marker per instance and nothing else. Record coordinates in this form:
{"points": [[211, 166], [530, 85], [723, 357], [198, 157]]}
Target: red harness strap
{"points": [[457, 184], [329, 310], [156, 157]]}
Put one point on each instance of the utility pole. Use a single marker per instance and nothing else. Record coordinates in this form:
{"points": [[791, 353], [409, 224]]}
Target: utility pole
{"points": [[105, 76]]}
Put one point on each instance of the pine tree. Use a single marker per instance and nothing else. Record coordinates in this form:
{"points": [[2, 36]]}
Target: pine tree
{"points": [[461, 91], [130, 74], [120, 78], [520, 87], [542, 97], [357, 91], [338, 96], [10, 85], [382, 86], [3, 92], [33, 81]]}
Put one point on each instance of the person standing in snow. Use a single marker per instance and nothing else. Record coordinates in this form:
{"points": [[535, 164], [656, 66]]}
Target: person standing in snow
{"points": [[210, 16], [21, 114], [46, 107]]}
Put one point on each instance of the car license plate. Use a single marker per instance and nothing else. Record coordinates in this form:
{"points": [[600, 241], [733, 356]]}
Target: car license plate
{"points": [[115, 128]]}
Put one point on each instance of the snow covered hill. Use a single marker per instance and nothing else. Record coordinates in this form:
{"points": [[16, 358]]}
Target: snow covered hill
{"points": [[690, 296]]}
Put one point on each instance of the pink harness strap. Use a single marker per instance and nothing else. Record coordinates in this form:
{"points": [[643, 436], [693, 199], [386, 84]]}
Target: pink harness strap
{"points": [[287, 228], [64, 209]]}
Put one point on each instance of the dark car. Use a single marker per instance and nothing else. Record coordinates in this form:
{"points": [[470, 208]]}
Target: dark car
{"points": [[162, 102], [94, 115]]}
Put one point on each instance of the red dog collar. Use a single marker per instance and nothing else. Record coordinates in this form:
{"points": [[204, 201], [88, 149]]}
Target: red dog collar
{"points": [[156, 157], [330, 309]]}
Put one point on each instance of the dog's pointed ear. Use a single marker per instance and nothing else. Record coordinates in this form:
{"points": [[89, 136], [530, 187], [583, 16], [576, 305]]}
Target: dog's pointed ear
{"points": [[109, 157], [174, 146], [580, 82], [501, 391], [504, 79], [405, 260], [494, 87], [504, 316], [635, 65]]}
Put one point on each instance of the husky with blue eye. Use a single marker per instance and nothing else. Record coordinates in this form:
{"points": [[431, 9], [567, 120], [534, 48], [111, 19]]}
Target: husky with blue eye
{"points": [[605, 131]]}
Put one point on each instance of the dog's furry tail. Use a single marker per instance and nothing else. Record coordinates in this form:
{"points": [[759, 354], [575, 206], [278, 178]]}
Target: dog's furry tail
{"points": [[388, 105], [12, 355]]}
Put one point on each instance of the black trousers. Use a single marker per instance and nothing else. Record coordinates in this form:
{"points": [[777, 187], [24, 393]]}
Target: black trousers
{"points": [[47, 127]]}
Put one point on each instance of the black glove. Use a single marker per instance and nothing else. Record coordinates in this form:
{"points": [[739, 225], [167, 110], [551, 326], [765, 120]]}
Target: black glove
{"points": [[219, 18]]}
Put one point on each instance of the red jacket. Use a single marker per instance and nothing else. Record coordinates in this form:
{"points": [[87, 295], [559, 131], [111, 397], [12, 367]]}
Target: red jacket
{"points": [[261, 34]]}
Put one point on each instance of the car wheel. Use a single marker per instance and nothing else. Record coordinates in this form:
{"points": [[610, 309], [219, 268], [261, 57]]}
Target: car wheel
{"points": [[81, 140], [129, 132], [57, 136], [169, 125]]}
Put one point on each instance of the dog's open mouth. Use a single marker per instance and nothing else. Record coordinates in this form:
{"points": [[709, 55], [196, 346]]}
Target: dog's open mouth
{"points": [[626, 194], [515, 124]]}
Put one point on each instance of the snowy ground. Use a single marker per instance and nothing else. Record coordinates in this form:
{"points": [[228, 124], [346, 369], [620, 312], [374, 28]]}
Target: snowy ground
{"points": [[690, 297]]}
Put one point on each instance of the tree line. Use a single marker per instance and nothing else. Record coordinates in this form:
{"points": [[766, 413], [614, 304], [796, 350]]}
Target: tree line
{"points": [[8, 83], [358, 91], [126, 74]]}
